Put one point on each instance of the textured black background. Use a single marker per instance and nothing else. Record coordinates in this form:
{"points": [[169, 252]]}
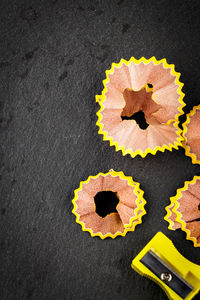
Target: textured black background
{"points": [[53, 57]]}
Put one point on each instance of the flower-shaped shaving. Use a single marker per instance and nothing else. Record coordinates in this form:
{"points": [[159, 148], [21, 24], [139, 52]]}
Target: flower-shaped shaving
{"points": [[184, 210], [191, 134], [101, 190], [140, 106]]}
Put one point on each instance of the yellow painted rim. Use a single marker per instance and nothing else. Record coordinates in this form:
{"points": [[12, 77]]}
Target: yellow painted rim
{"points": [[185, 129], [101, 98], [174, 201], [140, 201]]}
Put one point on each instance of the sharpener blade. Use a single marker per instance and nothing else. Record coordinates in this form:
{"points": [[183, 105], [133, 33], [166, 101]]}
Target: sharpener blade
{"points": [[164, 272]]}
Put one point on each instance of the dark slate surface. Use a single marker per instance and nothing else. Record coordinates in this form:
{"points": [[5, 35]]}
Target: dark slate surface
{"points": [[53, 57]]}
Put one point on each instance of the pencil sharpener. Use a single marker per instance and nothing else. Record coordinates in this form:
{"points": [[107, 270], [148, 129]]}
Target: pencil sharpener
{"points": [[161, 262]]}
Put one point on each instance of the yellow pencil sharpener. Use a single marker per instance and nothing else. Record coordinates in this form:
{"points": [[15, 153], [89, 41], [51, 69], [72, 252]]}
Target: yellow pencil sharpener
{"points": [[161, 262]]}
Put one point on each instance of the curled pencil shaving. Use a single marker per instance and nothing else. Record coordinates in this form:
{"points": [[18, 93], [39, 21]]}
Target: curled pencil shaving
{"points": [[148, 86], [184, 210], [129, 209], [191, 134]]}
